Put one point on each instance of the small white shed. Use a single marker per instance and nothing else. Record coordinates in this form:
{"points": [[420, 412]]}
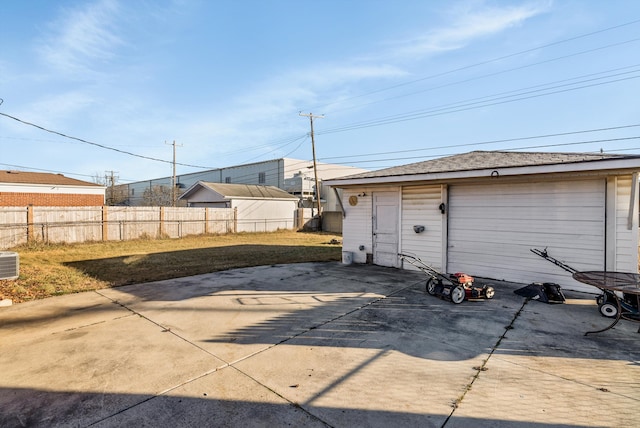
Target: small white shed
{"points": [[482, 212], [259, 208]]}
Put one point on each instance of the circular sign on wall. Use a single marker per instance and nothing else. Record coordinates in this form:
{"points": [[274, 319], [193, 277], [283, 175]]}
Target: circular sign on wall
{"points": [[353, 200]]}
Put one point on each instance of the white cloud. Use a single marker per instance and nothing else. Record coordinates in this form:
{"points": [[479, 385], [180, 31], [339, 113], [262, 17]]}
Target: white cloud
{"points": [[82, 39], [59, 107], [338, 75], [50, 111], [270, 108], [265, 114], [305, 87], [468, 23], [262, 108]]}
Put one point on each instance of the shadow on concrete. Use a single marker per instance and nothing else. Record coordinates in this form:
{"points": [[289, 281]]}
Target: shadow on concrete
{"points": [[402, 318], [407, 320], [38, 408], [325, 305], [416, 324], [177, 264]]}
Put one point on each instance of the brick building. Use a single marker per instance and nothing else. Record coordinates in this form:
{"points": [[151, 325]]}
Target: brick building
{"points": [[20, 189]]}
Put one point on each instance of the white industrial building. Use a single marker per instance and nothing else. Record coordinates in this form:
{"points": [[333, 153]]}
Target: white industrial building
{"points": [[296, 176]]}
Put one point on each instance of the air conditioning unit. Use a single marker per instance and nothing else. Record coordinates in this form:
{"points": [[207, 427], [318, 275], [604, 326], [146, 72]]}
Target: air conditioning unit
{"points": [[9, 265]]}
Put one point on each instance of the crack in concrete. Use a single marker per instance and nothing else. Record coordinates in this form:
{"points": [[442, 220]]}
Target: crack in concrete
{"points": [[483, 367], [304, 332], [231, 365]]}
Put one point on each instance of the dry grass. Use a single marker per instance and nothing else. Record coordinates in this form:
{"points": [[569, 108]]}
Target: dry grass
{"points": [[48, 270]]}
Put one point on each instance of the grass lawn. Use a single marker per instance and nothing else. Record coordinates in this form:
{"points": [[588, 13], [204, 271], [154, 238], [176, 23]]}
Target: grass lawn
{"points": [[49, 270]]}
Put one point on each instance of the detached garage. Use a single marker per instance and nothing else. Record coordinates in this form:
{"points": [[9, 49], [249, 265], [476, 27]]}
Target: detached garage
{"points": [[259, 208], [482, 212]]}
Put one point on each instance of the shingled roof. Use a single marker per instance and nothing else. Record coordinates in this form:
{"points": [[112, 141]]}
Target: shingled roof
{"points": [[44, 178], [482, 160], [230, 191]]}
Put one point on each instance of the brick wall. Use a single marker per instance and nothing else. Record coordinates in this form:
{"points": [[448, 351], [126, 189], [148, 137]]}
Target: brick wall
{"points": [[10, 199]]}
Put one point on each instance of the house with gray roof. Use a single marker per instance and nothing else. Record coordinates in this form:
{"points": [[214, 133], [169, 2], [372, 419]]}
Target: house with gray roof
{"points": [[258, 208], [481, 213], [24, 188]]}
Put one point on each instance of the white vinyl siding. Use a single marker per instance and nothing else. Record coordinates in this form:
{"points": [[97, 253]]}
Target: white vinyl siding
{"points": [[264, 215], [420, 208], [51, 189], [492, 228]]}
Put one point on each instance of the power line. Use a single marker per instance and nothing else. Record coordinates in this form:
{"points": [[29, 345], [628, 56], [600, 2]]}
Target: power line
{"points": [[273, 171], [96, 144], [306, 163], [475, 102], [371, 123], [501, 149], [291, 141], [285, 142], [413, 115], [608, 140], [474, 65], [506, 140], [288, 141], [45, 170], [497, 73], [297, 147], [442, 111]]}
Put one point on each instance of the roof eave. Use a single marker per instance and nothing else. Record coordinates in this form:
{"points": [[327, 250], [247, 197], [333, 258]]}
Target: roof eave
{"points": [[631, 164], [70, 186], [262, 198], [191, 190]]}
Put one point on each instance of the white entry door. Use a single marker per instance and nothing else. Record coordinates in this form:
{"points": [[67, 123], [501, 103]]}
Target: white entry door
{"points": [[385, 228]]}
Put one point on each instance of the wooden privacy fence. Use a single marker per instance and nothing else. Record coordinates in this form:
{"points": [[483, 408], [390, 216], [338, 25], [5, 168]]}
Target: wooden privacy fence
{"points": [[19, 225]]}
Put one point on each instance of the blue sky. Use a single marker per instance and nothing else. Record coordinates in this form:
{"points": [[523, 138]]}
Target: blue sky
{"points": [[397, 81]]}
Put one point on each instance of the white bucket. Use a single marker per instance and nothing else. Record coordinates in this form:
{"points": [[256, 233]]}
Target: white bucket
{"points": [[347, 257]]}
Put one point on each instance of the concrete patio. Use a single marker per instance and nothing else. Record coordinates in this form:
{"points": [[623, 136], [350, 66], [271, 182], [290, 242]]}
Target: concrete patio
{"points": [[314, 344]]}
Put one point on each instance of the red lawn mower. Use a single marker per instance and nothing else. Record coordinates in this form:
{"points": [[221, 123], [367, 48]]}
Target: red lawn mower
{"points": [[455, 287]]}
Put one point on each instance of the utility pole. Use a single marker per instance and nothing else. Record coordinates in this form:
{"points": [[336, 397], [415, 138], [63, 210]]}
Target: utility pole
{"points": [[173, 177], [315, 167], [110, 180]]}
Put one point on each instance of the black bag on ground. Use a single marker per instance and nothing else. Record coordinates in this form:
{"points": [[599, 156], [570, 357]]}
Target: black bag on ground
{"points": [[547, 292]]}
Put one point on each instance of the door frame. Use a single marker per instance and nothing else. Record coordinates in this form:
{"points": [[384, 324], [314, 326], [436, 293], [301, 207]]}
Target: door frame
{"points": [[392, 260]]}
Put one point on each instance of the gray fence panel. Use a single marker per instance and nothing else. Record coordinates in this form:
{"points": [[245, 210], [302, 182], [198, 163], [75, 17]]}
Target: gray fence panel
{"points": [[57, 225], [13, 226], [126, 223], [82, 224]]}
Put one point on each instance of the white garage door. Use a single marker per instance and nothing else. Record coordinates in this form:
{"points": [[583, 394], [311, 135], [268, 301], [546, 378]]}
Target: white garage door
{"points": [[493, 227]]}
